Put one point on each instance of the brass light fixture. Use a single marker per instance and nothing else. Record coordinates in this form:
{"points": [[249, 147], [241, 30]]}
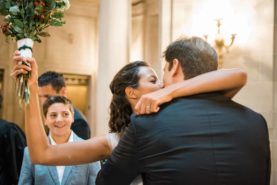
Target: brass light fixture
{"points": [[220, 43]]}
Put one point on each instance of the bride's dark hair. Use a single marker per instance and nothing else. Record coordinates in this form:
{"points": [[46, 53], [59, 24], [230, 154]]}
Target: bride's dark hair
{"points": [[120, 108]]}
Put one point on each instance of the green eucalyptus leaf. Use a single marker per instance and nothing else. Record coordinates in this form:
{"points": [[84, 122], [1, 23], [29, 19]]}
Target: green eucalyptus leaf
{"points": [[18, 29], [7, 5], [22, 12], [3, 10], [18, 23], [30, 6], [55, 23], [58, 14], [39, 8]]}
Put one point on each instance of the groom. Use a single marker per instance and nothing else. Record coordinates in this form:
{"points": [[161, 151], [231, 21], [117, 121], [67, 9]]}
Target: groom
{"points": [[202, 139]]}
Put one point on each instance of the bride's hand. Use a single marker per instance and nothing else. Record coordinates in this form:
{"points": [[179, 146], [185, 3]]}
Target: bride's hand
{"points": [[20, 68], [150, 102]]}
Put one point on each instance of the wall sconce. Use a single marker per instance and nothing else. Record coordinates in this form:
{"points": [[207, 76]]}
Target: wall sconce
{"points": [[220, 43]]}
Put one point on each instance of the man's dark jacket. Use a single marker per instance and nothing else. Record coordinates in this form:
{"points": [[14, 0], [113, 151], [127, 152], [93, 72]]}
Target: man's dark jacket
{"points": [[199, 140], [12, 144], [80, 125]]}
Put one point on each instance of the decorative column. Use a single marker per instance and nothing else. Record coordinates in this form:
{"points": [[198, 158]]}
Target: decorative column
{"points": [[165, 28], [113, 54], [165, 24]]}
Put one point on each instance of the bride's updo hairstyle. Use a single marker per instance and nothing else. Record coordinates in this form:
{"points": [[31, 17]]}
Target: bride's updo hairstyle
{"points": [[120, 108]]}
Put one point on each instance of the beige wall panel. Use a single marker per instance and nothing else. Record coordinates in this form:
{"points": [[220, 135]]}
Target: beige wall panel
{"points": [[72, 47], [250, 17]]}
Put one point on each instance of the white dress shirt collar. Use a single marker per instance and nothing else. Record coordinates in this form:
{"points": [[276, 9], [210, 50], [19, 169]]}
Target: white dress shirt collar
{"points": [[60, 169]]}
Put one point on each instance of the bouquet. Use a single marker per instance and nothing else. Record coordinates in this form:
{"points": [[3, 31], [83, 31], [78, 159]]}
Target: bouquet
{"points": [[26, 20]]}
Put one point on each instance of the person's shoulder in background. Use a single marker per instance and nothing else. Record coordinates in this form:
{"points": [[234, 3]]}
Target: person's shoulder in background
{"points": [[80, 125], [12, 142]]}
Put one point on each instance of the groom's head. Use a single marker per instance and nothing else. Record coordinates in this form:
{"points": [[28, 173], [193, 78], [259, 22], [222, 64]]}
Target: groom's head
{"points": [[187, 58]]}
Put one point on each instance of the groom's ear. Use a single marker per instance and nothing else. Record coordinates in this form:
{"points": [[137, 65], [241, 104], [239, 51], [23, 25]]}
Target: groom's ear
{"points": [[131, 93], [175, 67], [176, 71]]}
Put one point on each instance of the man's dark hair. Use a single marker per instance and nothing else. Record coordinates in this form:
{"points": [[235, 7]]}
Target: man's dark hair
{"points": [[195, 55], [56, 80]]}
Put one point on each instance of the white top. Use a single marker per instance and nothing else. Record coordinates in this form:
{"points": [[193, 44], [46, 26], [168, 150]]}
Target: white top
{"points": [[113, 139], [60, 169]]}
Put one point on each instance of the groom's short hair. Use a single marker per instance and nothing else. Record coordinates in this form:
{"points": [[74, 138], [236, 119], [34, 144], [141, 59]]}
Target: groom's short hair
{"points": [[56, 80], [195, 55]]}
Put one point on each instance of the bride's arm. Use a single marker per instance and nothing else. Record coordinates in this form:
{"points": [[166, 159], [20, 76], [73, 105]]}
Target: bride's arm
{"points": [[228, 81], [41, 152]]}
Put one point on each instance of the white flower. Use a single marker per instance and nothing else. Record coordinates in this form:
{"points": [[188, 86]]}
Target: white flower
{"points": [[65, 4], [14, 10], [7, 17]]}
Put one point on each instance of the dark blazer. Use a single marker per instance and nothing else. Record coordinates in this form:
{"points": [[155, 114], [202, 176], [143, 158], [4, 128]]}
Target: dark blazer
{"points": [[80, 125], [12, 144], [203, 139]]}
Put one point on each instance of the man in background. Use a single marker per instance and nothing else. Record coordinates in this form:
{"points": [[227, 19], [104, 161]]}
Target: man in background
{"points": [[52, 83], [12, 143]]}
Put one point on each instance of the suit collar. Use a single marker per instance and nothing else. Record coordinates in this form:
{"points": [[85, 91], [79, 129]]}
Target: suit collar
{"points": [[54, 174], [66, 174], [67, 170], [209, 95], [52, 141]]}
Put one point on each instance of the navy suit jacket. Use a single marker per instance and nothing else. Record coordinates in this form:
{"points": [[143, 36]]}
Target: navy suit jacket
{"points": [[203, 139], [12, 144], [47, 175], [80, 125]]}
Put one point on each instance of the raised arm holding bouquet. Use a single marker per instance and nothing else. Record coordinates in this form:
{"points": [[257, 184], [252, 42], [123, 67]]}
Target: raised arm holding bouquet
{"points": [[26, 20]]}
